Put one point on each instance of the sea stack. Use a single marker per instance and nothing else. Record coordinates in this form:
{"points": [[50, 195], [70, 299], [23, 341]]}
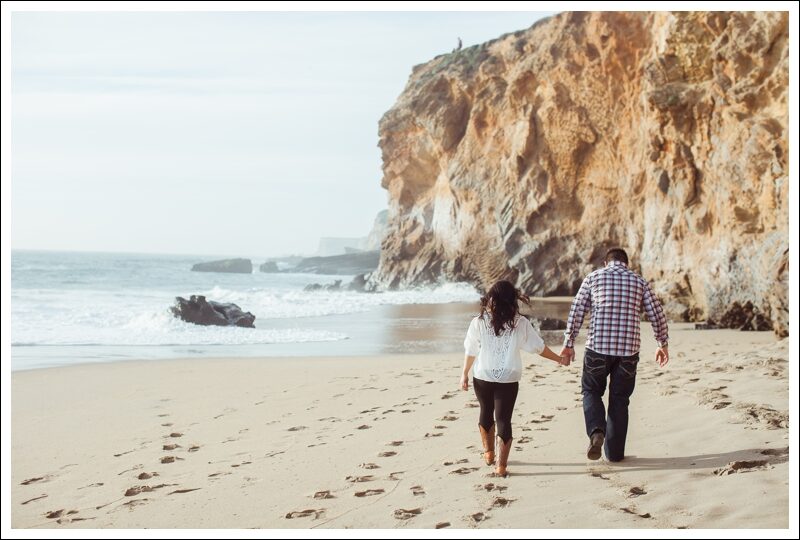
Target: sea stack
{"points": [[235, 266], [527, 157]]}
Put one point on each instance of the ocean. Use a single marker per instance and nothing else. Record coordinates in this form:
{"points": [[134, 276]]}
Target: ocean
{"points": [[70, 308]]}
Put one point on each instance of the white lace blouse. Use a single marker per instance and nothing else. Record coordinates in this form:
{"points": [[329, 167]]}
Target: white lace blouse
{"points": [[498, 358]]}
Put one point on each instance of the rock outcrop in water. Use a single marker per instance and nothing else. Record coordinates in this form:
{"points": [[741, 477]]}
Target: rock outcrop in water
{"points": [[209, 313], [269, 267], [348, 264], [526, 157], [236, 266]]}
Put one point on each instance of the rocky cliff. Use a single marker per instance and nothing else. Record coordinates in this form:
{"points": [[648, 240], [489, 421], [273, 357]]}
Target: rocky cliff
{"points": [[665, 133]]}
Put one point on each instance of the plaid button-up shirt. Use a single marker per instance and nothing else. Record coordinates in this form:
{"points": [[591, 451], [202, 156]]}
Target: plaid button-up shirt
{"points": [[616, 297]]}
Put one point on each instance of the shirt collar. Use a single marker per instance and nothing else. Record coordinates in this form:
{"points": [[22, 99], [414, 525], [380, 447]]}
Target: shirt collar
{"points": [[612, 264]]}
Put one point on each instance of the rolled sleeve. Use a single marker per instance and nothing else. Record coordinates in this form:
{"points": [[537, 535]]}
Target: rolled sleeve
{"points": [[472, 343], [532, 341]]}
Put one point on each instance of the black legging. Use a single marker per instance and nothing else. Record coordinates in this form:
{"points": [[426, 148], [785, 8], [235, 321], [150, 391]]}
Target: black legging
{"points": [[496, 399]]}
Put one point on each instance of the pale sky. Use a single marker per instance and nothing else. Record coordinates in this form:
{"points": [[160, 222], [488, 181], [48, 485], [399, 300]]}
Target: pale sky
{"points": [[242, 134]]}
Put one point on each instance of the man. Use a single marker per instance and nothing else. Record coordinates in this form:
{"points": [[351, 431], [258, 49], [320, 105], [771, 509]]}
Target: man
{"points": [[615, 296]]}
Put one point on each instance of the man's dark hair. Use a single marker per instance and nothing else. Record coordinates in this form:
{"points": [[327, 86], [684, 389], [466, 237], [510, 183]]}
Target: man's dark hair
{"points": [[616, 254]]}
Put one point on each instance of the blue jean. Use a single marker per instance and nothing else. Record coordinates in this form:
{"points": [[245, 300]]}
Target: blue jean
{"points": [[596, 369]]}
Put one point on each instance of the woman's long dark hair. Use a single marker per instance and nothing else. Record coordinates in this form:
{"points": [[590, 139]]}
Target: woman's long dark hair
{"points": [[501, 302]]}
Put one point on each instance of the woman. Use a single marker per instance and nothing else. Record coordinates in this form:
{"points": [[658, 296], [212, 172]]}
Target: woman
{"points": [[495, 337]]}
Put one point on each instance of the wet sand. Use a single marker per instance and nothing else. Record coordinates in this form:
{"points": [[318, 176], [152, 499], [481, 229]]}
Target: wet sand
{"points": [[384, 329], [389, 441]]}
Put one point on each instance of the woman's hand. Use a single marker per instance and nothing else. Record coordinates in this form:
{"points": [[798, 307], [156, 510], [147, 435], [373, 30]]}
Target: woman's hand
{"points": [[464, 381]]}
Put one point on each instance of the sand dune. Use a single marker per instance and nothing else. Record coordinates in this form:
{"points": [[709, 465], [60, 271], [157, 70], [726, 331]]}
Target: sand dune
{"points": [[391, 442]]}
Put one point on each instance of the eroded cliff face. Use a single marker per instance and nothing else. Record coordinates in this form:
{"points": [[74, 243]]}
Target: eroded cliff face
{"points": [[525, 158]]}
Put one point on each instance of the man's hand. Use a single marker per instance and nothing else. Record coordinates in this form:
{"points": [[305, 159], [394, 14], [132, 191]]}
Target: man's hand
{"points": [[662, 356], [464, 381], [567, 355]]}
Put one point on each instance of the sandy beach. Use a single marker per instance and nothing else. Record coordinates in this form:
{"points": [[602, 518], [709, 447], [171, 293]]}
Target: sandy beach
{"points": [[390, 442]]}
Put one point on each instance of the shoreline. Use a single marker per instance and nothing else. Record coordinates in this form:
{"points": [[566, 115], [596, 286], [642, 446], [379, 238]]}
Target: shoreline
{"points": [[382, 329], [389, 441]]}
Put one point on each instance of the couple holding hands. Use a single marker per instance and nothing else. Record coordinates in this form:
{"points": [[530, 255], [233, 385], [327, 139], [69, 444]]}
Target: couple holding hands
{"points": [[615, 298]]}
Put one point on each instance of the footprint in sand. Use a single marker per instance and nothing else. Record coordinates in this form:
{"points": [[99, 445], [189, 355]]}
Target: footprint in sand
{"points": [[636, 491], [439, 427], [501, 502], [296, 428], [395, 443], [370, 466], [646, 515], [471, 405], [442, 524], [773, 419], [145, 476], [175, 434], [781, 453], [242, 463], [434, 434], [136, 490], [369, 492], [599, 475], [478, 517], [491, 487], [402, 513], [742, 466], [394, 475], [417, 490], [387, 454], [406, 411], [216, 474], [71, 519], [170, 459], [326, 494], [42, 496], [305, 513], [130, 505], [193, 448], [35, 480], [134, 468], [365, 478], [182, 491], [170, 446], [449, 418], [364, 426], [54, 514], [459, 462], [464, 470]]}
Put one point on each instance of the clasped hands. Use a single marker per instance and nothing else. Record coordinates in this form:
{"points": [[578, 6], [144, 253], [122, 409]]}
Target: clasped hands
{"points": [[567, 355]]}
